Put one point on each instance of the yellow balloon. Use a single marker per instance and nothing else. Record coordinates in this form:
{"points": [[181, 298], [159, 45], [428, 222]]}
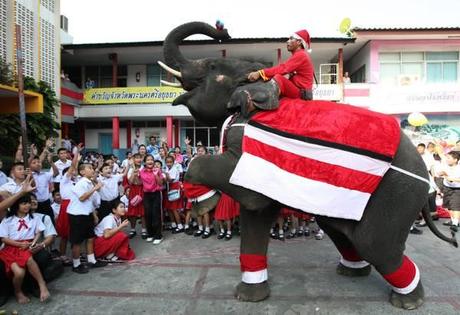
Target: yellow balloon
{"points": [[417, 119]]}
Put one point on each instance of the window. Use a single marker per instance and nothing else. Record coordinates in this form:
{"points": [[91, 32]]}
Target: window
{"points": [[155, 74], [425, 66], [208, 136]]}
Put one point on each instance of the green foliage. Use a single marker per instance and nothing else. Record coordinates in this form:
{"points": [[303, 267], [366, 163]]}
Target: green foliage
{"points": [[6, 74], [39, 126]]}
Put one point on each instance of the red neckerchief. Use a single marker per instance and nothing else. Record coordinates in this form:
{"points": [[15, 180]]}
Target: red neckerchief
{"points": [[22, 224]]}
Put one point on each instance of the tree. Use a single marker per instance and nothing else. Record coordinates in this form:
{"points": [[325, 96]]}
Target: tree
{"points": [[39, 126]]}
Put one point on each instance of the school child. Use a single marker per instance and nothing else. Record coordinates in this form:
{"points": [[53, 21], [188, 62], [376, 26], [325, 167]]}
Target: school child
{"points": [[451, 188], [152, 184], [20, 232], [56, 205], [61, 164], [173, 199], [135, 196], [204, 229], [109, 192], [82, 219], [226, 210], [43, 181], [68, 180], [125, 199], [111, 243]]}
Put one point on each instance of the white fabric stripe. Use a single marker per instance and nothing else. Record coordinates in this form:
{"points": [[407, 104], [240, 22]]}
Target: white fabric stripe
{"points": [[222, 131], [354, 264], [411, 174], [411, 287], [253, 277], [318, 152], [309, 195], [203, 197]]}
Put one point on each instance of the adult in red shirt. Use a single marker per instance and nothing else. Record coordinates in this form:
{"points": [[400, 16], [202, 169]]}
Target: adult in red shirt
{"points": [[295, 76]]}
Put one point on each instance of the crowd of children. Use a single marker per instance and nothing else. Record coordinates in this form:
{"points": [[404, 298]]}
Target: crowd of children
{"points": [[89, 200]]}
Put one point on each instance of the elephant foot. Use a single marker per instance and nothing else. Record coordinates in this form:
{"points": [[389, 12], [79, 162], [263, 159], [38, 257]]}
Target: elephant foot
{"points": [[409, 301], [252, 292], [353, 272]]}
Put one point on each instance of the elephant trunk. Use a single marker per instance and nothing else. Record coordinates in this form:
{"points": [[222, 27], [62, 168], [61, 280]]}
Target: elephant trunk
{"points": [[171, 51]]}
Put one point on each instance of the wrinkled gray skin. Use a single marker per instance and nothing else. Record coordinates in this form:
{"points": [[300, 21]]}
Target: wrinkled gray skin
{"points": [[381, 234]]}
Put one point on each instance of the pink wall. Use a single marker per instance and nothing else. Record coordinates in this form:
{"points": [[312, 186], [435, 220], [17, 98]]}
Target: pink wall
{"points": [[406, 45]]}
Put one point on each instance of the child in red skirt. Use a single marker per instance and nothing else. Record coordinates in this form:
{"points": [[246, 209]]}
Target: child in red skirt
{"points": [[226, 210], [111, 243], [136, 195], [65, 188], [173, 203], [20, 232]]}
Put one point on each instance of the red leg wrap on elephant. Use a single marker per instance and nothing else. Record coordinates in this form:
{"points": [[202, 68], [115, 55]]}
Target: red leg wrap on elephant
{"points": [[254, 268], [351, 259], [406, 278]]}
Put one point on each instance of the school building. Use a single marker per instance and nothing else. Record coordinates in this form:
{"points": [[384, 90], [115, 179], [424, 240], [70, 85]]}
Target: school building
{"points": [[115, 100]]}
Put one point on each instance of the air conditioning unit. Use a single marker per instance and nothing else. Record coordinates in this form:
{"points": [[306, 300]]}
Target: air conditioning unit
{"points": [[408, 79]]}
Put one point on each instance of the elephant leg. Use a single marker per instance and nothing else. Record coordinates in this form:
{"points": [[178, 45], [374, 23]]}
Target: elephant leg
{"points": [[397, 269], [351, 264], [255, 228]]}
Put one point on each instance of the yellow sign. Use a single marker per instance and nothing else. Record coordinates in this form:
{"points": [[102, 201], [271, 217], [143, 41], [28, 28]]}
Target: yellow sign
{"points": [[131, 95]]}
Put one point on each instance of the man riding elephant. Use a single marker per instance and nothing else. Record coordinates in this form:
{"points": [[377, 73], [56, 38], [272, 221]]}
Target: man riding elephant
{"points": [[352, 152], [298, 68]]}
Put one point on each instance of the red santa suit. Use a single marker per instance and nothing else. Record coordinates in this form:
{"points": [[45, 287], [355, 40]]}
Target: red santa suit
{"points": [[117, 244], [298, 67]]}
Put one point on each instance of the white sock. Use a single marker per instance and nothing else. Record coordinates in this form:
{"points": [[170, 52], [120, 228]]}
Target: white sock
{"points": [[222, 230], [271, 230], [454, 221], [110, 256], [293, 231], [91, 259], [180, 226], [173, 225], [207, 229], [229, 232], [144, 230], [200, 227], [186, 226], [280, 231], [76, 262], [114, 258]]}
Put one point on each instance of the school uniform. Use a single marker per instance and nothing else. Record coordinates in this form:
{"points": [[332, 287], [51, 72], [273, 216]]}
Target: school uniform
{"points": [[81, 220], [109, 193], [175, 184], [43, 181], [451, 190], [227, 208], [118, 244], [18, 229], [60, 166], [62, 222], [11, 187], [135, 191]]}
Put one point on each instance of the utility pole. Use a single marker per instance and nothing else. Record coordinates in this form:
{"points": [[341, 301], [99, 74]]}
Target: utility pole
{"points": [[22, 106]]}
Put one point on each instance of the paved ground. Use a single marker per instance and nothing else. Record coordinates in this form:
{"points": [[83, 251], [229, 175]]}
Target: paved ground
{"points": [[186, 275]]}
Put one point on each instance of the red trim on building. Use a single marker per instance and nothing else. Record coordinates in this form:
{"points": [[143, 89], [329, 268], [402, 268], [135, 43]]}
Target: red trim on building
{"points": [[72, 94], [169, 130], [67, 109], [116, 133], [129, 126]]}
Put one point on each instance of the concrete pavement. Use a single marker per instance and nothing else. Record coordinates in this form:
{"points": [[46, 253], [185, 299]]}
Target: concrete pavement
{"points": [[187, 275]]}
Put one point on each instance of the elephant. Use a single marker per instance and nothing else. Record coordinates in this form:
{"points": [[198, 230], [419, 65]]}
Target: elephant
{"points": [[216, 88]]}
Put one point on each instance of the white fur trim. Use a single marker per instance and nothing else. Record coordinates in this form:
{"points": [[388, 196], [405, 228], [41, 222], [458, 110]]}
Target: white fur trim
{"points": [[411, 287], [354, 264], [252, 277], [304, 44]]}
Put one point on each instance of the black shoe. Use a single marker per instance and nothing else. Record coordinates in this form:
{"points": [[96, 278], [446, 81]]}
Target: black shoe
{"points": [[221, 235], [454, 228], [206, 234], [132, 234], [144, 235], [80, 269], [198, 233], [299, 233], [273, 235], [188, 231], [447, 223], [228, 237], [98, 264], [435, 217], [281, 237], [420, 224], [416, 231], [177, 230], [290, 235], [307, 232]]}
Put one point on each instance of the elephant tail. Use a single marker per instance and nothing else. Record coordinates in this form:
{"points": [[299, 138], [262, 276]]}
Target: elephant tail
{"points": [[429, 222]]}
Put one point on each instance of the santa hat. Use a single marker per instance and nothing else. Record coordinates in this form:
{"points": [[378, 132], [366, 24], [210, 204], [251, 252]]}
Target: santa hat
{"points": [[304, 37]]}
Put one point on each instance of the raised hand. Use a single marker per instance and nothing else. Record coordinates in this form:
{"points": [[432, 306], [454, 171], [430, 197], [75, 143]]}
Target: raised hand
{"points": [[28, 185]]}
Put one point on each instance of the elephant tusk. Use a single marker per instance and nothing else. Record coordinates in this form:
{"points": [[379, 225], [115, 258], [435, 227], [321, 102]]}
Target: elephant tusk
{"points": [[173, 84], [170, 70]]}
